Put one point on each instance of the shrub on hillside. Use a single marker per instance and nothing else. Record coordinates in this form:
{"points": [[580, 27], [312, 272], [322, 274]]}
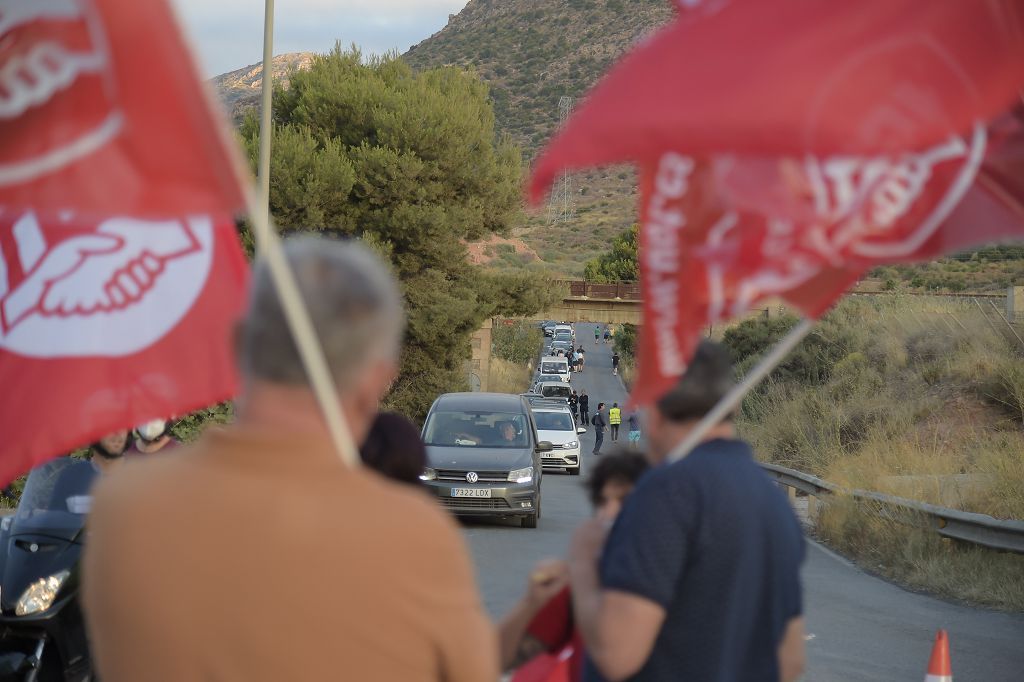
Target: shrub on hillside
{"points": [[517, 342]]}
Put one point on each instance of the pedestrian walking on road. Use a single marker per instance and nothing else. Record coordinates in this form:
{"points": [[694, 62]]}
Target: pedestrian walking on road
{"points": [[580, 359], [160, 614], [615, 364], [614, 420], [634, 430], [607, 336], [722, 599], [597, 334], [584, 408], [571, 358], [599, 422], [574, 403]]}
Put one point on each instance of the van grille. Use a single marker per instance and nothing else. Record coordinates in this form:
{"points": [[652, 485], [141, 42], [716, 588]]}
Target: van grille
{"points": [[460, 476]]}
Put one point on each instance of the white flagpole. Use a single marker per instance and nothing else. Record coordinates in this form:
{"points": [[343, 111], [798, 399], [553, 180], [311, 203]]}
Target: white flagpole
{"points": [[731, 400], [266, 92], [268, 245]]}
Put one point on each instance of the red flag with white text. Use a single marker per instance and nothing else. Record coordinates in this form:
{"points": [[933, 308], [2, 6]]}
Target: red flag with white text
{"points": [[784, 148], [121, 275]]}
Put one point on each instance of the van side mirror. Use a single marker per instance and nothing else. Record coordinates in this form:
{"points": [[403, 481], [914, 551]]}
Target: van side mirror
{"points": [[545, 446], [581, 429]]}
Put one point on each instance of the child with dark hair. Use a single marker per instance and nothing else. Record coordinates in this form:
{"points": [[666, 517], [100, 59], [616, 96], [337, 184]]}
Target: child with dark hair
{"points": [[541, 626]]}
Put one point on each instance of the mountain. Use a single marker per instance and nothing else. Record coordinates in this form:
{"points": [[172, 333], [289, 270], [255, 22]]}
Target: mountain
{"points": [[240, 89], [532, 53]]}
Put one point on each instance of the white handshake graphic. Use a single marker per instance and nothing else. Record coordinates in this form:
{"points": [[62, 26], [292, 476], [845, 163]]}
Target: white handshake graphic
{"points": [[120, 286]]}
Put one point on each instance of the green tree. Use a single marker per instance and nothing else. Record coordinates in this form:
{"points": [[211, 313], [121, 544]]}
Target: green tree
{"points": [[620, 263], [410, 163]]}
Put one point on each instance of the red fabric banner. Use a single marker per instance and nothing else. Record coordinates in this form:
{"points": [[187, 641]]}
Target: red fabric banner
{"points": [[795, 77], [720, 236], [120, 270]]}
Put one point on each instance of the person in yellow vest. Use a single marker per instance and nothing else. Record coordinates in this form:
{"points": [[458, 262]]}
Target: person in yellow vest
{"points": [[614, 419]]}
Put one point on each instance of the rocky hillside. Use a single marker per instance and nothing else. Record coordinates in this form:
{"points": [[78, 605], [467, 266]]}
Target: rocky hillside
{"points": [[240, 89], [532, 52]]}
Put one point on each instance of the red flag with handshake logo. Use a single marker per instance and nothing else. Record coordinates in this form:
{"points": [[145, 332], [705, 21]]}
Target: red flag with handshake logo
{"points": [[120, 271], [786, 147]]}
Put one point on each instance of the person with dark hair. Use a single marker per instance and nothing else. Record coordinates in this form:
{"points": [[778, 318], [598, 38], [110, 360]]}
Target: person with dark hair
{"points": [[108, 452], [700, 576], [599, 423], [574, 403], [542, 621], [393, 448], [584, 407]]}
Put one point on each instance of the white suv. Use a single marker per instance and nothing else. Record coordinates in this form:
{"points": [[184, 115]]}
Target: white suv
{"points": [[556, 425]]}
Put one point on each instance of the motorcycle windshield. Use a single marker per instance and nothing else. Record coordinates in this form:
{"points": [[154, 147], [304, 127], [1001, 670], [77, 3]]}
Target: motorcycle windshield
{"points": [[56, 499]]}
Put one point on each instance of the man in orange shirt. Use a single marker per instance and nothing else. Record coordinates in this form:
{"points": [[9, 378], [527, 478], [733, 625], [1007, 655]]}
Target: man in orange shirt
{"points": [[255, 554]]}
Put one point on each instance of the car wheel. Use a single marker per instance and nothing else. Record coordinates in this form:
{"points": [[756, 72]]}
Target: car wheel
{"points": [[576, 471], [529, 521]]}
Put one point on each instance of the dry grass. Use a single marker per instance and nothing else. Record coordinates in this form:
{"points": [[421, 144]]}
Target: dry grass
{"points": [[508, 377], [921, 559], [922, 399]]}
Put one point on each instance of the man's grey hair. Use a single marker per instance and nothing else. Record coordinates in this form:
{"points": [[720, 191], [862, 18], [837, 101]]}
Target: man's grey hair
{"points": [[353, 301]]}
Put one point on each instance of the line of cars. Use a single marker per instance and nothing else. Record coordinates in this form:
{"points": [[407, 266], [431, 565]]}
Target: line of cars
{"points": [[486, 452]]}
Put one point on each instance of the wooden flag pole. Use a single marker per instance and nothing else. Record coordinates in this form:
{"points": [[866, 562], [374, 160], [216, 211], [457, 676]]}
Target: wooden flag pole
{"points": [[731, 400], [268, 245]]}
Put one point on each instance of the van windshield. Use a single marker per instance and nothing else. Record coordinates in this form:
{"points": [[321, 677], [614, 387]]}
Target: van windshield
{"points": [[557, 391], [476, 429], [552, 367]]}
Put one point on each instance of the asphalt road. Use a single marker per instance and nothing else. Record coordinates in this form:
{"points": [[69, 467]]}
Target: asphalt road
{"points": [[860, 627]]}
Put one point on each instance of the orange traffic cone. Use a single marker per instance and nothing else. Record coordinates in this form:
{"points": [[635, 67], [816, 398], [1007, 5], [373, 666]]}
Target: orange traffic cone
{"points": [[939, 669]]}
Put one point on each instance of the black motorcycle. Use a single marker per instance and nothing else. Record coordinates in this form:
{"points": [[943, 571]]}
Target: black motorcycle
{"points": [[42, 632]]}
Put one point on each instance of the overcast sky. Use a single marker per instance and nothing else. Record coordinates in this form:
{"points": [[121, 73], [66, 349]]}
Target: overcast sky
{"points": [[228, 34]]}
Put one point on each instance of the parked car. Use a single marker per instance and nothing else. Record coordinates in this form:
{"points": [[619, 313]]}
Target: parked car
{"points": [[556, 425], [559, 347], [563, 336], [484, 456], [548, 327], [557, 390], [553, 368]]}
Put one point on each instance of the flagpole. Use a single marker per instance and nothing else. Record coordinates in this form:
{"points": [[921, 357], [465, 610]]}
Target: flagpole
{"points": [[266, 93], [731, 400], [268, 245]]}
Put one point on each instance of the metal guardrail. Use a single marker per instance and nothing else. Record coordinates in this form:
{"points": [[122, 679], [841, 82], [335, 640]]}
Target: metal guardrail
{"points": [[978, 529]]}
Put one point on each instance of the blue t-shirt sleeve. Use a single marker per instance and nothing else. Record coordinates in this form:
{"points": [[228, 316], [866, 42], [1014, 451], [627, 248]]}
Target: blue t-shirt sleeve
{"points": [[647, 548]]}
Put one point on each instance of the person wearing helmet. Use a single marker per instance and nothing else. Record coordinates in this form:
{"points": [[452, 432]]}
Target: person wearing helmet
{"points": [[153, 436], [108, 452]]}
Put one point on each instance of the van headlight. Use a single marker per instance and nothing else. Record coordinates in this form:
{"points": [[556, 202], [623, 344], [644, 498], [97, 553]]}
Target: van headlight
{"points": [[571, 445], [40, 595], [428, 475], [521, 475]]}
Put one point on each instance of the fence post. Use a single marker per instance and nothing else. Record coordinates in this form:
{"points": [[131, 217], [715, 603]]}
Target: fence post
{"points": [[1014, 304]]}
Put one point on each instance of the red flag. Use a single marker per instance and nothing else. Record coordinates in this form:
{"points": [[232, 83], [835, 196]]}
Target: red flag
{"points": [[796, 77], [120, 271], [721, 236]]}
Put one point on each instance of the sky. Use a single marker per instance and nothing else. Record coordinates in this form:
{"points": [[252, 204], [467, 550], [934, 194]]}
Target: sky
{"points": [[228, 34]]}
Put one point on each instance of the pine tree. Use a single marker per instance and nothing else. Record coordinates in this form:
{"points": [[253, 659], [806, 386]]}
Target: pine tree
{"points": [[410, 163]]}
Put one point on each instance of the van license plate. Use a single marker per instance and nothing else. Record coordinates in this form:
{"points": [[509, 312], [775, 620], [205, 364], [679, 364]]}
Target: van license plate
{"points": [[471, 492]]}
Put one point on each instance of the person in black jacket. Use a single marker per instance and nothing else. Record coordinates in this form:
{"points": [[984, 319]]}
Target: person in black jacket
{"points": [[574, 402], [599, 423], [584, 403]]}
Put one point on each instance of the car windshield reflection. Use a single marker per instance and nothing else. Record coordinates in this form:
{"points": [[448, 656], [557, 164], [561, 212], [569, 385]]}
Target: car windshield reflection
{"points": [[476, 429]]}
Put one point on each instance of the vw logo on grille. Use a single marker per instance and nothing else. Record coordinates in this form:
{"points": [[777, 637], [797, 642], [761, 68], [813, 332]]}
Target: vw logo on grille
{"points": [[472, 477]]}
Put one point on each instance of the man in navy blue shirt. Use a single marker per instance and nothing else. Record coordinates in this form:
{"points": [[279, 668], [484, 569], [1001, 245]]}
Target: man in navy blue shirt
{"points": [[699, 577]]}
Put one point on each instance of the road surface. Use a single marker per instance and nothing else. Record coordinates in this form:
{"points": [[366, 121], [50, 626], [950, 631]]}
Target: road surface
{"points": [[859, 627]]}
